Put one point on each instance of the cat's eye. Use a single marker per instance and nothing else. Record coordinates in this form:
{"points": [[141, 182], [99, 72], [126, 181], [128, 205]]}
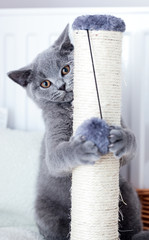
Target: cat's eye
{"points": [[45, 84], [65, 70]]}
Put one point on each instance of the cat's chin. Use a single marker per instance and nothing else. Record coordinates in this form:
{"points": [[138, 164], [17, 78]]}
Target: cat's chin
{"points": [[68, 97]]}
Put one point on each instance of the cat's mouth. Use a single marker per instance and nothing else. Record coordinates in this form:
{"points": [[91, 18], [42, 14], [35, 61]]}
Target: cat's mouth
{"points": [[68, 97]]}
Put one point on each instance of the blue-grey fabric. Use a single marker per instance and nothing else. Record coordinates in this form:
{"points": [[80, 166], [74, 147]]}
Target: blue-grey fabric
{"points": [[99, 22]]}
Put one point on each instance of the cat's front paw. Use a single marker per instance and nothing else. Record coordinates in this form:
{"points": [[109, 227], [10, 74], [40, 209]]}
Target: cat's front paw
{"points": [[86, 152], [119, 143]]}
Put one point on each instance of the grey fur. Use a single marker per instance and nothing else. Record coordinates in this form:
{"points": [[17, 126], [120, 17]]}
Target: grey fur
{"points": [[97, 131], [144, 235], [99, 22], [123, 144], [60, 151]]}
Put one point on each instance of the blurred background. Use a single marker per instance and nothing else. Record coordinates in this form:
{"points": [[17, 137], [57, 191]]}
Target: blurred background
{"points": [[28, 27], [72, 3]]}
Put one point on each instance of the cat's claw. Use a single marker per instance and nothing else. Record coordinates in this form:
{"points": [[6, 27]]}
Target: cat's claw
{"points": [[86, 151], [118, 141]]}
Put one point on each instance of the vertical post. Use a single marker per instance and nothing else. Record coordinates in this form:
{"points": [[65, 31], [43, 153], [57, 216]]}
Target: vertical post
{"points": [[95, 189]]}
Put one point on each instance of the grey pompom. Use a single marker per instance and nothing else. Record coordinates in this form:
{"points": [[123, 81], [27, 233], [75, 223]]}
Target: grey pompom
{"points": [[97, 131], [99, 22]]}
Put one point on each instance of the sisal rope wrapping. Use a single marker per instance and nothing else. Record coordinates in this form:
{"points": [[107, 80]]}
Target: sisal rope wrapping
{"points": [[95, 189]]}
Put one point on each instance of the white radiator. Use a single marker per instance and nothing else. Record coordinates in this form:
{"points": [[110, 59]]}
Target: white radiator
{"points": [[24, 33]]}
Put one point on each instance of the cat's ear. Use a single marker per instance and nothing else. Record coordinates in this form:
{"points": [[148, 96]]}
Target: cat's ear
{"points": [[63, 43], [21, 76]]}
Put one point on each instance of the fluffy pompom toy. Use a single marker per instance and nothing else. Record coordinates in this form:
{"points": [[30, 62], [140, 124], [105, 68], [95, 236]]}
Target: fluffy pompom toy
{"points": [[97, 131]]}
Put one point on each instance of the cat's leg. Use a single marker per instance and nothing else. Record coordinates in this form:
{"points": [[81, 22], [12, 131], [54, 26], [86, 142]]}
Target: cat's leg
{"points": [[122, 144], [52, 219], [144, 235], [129, 211], [68, 155]]}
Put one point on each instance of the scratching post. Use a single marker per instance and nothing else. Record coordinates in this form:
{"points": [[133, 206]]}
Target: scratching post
{"points": [[95, 188]]}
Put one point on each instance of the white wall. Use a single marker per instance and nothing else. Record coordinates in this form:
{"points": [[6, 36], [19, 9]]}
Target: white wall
{"points": [[72, 3]]}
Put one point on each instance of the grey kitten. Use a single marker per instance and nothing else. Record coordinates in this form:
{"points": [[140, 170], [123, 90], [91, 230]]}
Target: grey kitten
{"points": [[48, 80]]}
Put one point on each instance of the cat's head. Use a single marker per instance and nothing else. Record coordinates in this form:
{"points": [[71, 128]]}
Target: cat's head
{"points": [[49, 78]]}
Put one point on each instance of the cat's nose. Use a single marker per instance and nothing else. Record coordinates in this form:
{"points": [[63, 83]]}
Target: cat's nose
{"points": [[62, 87]]}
